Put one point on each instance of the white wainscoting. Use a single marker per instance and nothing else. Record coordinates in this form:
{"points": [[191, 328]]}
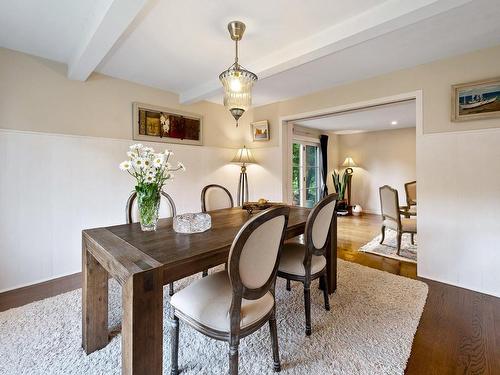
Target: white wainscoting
{"points": [[458, 178], [53, 186]]}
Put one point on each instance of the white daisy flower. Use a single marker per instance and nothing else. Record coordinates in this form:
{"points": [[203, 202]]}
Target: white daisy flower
{"points": [[149, 179], [148, 150], [147, 163], [138, 163], [158, 160], [125, 165]]}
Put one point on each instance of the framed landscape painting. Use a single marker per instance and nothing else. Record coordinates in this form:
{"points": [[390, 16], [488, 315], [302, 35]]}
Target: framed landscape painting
{"points": [[476, 100], [158, 124], [260, 130]]}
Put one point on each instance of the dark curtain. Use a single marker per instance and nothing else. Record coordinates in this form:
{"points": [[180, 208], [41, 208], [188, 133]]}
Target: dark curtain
{"points": [[323, 140]]}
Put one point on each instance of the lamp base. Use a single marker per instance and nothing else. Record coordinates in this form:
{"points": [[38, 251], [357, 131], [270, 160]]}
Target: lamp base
{"points": [[243, 186]]}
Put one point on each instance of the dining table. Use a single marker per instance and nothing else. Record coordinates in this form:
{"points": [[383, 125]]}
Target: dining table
{"points": [[143, 262]]}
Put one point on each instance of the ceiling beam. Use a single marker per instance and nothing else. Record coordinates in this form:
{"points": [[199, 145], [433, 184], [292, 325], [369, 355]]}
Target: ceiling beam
{"points": [[103, 32], [385, 18]]}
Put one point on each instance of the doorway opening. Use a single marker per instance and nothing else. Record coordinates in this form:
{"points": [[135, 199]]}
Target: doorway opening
{"points": [[377, 141]]}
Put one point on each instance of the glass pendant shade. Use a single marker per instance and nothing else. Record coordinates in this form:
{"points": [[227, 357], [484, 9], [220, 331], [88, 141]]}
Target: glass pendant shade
{"points": [[236, 80], [237, 84]]}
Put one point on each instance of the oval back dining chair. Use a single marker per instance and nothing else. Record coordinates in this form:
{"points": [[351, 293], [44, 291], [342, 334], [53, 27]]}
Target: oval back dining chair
{"points": [[411, 193], [306, 261], [389, 205], [229, 305], [215, 197], [166, 210]]}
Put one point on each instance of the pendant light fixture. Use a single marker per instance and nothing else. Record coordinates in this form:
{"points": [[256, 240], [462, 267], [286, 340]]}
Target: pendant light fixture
{"points": [[236, 80]]}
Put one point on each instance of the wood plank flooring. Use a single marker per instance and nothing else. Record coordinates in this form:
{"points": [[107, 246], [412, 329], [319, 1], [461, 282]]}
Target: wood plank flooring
{"points": [[459, 332]]}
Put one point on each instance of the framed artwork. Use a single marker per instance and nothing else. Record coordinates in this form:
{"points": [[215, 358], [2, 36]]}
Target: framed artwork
{"points": [[260, 130], [475, 100], [158, 124]]}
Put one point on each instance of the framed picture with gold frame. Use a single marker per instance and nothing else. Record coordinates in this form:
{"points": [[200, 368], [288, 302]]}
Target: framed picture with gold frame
{"points": [[159, 124], [475, 100], [260, 131]]}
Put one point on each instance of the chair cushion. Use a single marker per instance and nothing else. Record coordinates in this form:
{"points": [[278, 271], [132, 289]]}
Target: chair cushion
{"points": [[407, 225], [208, 300], [292, 260]]}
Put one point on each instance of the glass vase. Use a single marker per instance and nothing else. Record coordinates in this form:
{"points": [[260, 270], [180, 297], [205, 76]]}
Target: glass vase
{"points": [[148, 204]]}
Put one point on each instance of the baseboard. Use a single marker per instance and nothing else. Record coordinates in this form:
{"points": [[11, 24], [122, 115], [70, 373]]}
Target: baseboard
{"points": [[27, 294]]}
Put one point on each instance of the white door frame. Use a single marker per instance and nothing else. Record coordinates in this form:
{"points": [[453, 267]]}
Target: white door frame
{"points": [[287, 134]]}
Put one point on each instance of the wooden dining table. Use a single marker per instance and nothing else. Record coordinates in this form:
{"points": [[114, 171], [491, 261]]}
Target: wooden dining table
{"points": [[143, 262]]}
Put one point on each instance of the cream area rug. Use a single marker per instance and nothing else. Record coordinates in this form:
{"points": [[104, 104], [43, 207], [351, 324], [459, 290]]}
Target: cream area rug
{"points": [[369, 330], [408, 251]]}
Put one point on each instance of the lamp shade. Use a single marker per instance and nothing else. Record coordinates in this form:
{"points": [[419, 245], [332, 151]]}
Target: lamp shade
{"points": [[349, 163], [243, 156]]}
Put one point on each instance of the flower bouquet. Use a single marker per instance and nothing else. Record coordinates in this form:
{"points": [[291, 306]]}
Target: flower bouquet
{"points": [[151, 171]]}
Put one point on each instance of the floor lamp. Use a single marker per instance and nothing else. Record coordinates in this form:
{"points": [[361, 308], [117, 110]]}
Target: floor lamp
{"points": [[243, 157], [349, 164]]}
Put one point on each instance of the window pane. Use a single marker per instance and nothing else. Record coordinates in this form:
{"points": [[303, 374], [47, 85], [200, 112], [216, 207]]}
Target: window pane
{"points": [[312, 156], [296, 197], [295, 178], [311, 197], [296, 154], [311, 177]]}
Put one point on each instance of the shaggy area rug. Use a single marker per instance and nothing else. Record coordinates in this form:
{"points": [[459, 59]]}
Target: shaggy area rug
{"points": [[408, 251], [369, 330]]}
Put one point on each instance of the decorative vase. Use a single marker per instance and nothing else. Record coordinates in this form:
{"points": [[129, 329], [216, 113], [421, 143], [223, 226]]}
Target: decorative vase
{"points": [[148, 204]]}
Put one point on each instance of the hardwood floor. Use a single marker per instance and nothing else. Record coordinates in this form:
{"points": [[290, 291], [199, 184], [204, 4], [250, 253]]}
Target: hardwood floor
{"points": [[459, 332]]}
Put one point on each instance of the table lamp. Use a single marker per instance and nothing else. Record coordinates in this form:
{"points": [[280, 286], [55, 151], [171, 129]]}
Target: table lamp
{"points": [[243, 157]]}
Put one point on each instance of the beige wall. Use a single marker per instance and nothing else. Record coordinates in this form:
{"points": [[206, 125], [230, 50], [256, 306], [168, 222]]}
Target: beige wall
{"points": [[384, 158], [36, 96], [435, 79]]}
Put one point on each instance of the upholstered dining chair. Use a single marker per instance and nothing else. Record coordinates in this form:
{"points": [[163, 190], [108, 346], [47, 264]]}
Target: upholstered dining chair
{"points": [[411, 194], [166, 210], [306, 261], [229, 305], [389, 204], [215, 197]]}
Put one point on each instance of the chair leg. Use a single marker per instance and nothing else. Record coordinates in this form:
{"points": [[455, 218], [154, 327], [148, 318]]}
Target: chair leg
{"points": [[383, 234], [274, 340], [205, 273], [399, 241], [413, 238], [307, 305], [325, 291], [288, 285], [174, 343], [233, 359], [171, 289]]}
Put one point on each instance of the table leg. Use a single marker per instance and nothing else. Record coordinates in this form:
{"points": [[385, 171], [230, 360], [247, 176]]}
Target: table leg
{"points": [[331, 257], [142, 326], [94, 302]]}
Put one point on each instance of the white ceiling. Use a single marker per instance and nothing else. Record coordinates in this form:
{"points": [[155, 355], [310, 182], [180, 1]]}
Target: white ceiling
{"points": [[366, 120], [296, 47]]}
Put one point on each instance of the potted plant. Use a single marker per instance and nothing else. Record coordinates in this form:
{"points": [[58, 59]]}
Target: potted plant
{"points": [[151, 171], [340, 183]]}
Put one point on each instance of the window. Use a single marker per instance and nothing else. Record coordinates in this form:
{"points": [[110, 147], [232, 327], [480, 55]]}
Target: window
{"points": [[306, 178]]}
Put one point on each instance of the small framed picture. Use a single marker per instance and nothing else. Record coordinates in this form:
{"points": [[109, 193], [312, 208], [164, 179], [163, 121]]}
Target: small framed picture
{"points": [[260, 130], [475, 100]]}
